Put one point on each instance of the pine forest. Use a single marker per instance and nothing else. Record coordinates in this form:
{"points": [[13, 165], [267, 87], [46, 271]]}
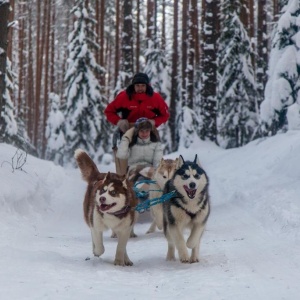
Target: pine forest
{"points": [[229, 70]]}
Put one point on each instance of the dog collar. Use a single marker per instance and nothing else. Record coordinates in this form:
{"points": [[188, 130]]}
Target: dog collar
{"points": [[122, 212]]}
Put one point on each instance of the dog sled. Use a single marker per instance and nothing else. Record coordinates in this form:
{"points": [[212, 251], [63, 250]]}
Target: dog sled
{"points": [[121, 168]]}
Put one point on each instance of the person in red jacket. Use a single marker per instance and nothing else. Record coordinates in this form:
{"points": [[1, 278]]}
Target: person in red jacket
{"points": [[137, 101]]}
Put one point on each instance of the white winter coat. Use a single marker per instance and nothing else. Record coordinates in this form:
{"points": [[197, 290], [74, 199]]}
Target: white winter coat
{"points": [[144, 152]]}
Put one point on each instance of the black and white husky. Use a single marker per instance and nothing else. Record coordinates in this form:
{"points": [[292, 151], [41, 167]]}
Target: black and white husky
{"points": [[189, 208]]}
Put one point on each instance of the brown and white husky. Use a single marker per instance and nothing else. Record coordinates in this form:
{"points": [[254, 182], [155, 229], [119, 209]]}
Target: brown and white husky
{"points": [[108, 204]]}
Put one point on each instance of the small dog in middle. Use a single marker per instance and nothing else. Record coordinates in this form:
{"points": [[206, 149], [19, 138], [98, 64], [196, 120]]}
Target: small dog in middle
{"points": [[161, 175]]}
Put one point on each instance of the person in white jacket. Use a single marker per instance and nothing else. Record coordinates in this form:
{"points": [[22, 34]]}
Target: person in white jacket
{"points": [[141, 146]]}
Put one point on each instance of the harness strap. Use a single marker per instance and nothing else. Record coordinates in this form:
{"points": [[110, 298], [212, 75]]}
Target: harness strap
{"points": [[122, 212], [192, 215]]}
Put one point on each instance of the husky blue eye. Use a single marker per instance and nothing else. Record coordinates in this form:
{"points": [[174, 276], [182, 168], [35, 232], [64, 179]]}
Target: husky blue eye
{"points": [[197, 176]]}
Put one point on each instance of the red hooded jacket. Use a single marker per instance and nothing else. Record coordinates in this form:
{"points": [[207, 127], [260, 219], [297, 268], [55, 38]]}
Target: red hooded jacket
{"points": [[140, 105]]}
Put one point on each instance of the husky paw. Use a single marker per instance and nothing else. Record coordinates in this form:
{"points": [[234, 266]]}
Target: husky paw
{"points": [[128, 262], [194, 260], [98, 252], [119, 262], [184, 260], [132, 234], [122, 262], [170, 257]]}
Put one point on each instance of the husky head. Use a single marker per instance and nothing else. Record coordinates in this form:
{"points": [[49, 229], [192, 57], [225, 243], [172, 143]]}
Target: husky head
{"points": [[165, 171], [190, 179], [111, 195]]}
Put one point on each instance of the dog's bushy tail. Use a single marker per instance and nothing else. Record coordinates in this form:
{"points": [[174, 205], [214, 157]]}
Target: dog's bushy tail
{"points": [[88, 168]]}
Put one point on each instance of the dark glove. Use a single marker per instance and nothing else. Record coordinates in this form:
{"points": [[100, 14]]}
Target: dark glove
{"points": [[123, 125]]}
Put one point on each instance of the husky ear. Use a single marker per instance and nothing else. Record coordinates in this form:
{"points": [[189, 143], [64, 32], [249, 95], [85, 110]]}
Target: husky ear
{"points": [[147, 172], [180, 162], [124, 182], [107, 177], [197, 161]]}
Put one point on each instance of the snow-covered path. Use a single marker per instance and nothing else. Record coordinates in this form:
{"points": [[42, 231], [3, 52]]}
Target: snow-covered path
{"points": [[250, 249]]}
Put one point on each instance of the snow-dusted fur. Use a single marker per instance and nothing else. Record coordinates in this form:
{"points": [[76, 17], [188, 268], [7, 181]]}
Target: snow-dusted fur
{"points": [[161, 175], [108, 204], [189, 208]]}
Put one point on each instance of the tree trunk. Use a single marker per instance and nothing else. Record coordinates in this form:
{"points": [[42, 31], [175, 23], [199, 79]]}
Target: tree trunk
{"points": [[102, 50], [163, 29], [21, 34], [52, 54], [184, 48], [117, 41], [262, 49], [10, 32], [47, 18], [30, 96], [150, 19], [174, 82], [137, 49], [193, 33], [4, 14], [127, 42], [209, 69]]}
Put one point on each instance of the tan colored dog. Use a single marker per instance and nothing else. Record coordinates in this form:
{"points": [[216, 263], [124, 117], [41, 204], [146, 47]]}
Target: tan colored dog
{"points": [[160, 175], [108, 204]]}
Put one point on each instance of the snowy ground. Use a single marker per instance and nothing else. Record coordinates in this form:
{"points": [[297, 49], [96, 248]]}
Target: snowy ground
{"points": [[250, 250]]}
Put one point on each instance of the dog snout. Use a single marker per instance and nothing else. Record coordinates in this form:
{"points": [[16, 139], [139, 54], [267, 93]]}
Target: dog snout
{"points": [[192, 185], [102, 199]]}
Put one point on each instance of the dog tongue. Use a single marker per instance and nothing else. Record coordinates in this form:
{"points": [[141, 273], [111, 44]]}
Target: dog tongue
{"points": [[104, 207], [190, 192]]}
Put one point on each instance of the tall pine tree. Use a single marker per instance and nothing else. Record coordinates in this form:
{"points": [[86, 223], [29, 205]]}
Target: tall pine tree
{"points": [[55, 131], [159, 73], [236, 94], [84, 102], [283, 86]]}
